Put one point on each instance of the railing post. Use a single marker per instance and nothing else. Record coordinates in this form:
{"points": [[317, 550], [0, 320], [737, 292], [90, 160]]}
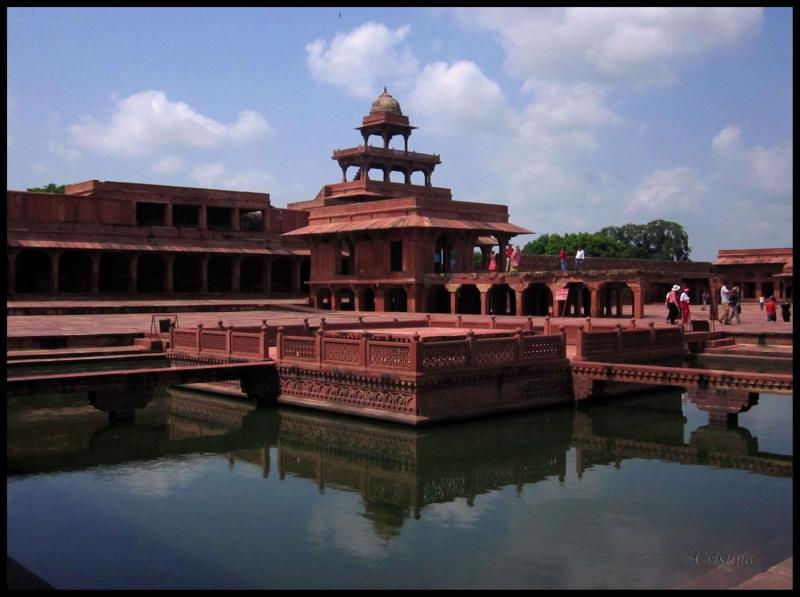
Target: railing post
{"points": [[363, 348], [172, 334], [428, 318], [219, 324], [580, 342], [546, 325], [229, 340], [361, 321], [530, 323], [494, 322], [199, 342], [305, 326], [619, 339], [321, 324], [470, 349], [632, 325], [279, 343], [652, 326], [458, 321], [415, 357], [520, 352], [263, 343], [563, 333], [318, 343], [588, 324]]}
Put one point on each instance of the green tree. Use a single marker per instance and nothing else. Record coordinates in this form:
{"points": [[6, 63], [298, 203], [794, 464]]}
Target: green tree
{"points": [[50, 188], [659, 239]]}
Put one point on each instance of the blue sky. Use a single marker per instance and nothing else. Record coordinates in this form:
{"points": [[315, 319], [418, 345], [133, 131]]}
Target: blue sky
{"points": [[576, 119]]}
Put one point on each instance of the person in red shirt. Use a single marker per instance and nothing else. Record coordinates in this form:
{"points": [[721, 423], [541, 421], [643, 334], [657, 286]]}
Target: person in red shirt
{"points": [[509, 252], [563, 257], [771, 307]]}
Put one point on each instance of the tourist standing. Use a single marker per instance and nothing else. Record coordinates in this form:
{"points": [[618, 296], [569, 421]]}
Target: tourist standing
{"points": [[492, 264], [673, 304], [563, 257], [725, 301], [684, 304], [579, 256], [736, 305], [771, 307], [761, 302], [509, 252], [516, 256], [705, 300], [786, 310]]}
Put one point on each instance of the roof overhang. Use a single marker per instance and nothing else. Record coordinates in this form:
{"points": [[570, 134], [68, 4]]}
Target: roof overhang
{"points": [[412, 221]]}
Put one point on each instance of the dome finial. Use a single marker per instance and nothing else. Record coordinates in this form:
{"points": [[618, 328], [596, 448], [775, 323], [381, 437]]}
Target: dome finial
{"points": [[385, 103]]}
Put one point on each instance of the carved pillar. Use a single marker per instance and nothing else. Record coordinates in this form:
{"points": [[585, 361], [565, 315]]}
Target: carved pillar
{"points": [[638, 301], [237, 222], [55, 257], [453, 290], [484, 290], [133, 273], [554, 288], [95, 273], [380, 300], [204, 273], [202, 223], [236, 276], [11, 278], [267, 279], [168, 215], [518, 289], [296, 275], [358, 299]]}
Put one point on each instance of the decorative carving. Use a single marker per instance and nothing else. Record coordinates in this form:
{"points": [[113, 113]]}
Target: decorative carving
{"points": [[340, 352], [436, 356], [389, 356]]}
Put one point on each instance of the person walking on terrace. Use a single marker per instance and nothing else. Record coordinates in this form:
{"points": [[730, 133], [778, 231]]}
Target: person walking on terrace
{"points": [[725, 303], [673, 304], [786, 310], [493, 264], [579, 256], [771, 307], [516, 256], [761, 302], [684, 304], [563, 257], [509, 253], [705, 300], [736, 305]]}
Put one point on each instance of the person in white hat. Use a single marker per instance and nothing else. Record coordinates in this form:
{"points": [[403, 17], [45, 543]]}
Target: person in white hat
{"points": [[673, 304]]}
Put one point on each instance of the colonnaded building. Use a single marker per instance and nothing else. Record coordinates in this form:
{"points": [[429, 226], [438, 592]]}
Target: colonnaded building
{"points": [[387, 239]]}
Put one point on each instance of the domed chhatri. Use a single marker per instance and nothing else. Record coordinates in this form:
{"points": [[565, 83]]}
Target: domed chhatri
{"points": [[385, 103]]}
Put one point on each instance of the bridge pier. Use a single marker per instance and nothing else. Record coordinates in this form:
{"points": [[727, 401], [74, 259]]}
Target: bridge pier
{"points": [[723, 405], [121, 404]]}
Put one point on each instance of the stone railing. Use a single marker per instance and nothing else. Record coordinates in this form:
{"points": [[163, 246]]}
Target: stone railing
{"points": [[382, 353], [620, 344], [532, 263], [244, 343]]}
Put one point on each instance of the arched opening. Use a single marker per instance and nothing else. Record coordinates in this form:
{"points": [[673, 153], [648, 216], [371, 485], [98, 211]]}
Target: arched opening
{"points": [[468, 300], [150, 269], [444, 246], [438, 299], [282, 276], [75, 272], [32, 274], [324, 298], [537, 300], [367, 300], [252, 276], [347, 253], [187, 274], [114, 273], [345, 300], [501, 300], [220, 273], [418, 178], [613, 298], [396, 300]]}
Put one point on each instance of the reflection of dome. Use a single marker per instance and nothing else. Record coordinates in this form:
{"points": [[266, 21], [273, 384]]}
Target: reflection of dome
{"points": [[385, 103]]}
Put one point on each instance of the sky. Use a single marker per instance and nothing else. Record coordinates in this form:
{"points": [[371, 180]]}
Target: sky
{"points": [[575, 118]]}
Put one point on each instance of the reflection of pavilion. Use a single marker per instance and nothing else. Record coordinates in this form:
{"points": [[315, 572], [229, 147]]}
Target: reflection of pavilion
{"points": [[604, 435]]}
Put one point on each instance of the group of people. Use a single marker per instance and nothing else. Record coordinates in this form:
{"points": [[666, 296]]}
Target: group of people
{"points": [[678, 305], [730, 301], [579, 257], [513, 258]]}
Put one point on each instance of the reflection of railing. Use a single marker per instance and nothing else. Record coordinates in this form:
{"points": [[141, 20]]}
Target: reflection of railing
{"points": [[619, 343], [380, 151], [417, 354]]}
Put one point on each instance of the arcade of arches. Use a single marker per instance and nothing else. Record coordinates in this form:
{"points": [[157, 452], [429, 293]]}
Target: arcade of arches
{"points": [[41, 271]]}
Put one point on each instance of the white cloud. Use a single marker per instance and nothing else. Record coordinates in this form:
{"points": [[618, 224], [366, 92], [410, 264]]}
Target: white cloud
{"points": [[727, 138], [364, 60], [216, 176], [771, 169], [767, 170], [148, 123], [666, 193], [168, 165], [458, 98], [612, 45]]}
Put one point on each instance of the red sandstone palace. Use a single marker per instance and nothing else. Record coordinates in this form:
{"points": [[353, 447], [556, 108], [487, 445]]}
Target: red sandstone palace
{"points": [[366, 244]]}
